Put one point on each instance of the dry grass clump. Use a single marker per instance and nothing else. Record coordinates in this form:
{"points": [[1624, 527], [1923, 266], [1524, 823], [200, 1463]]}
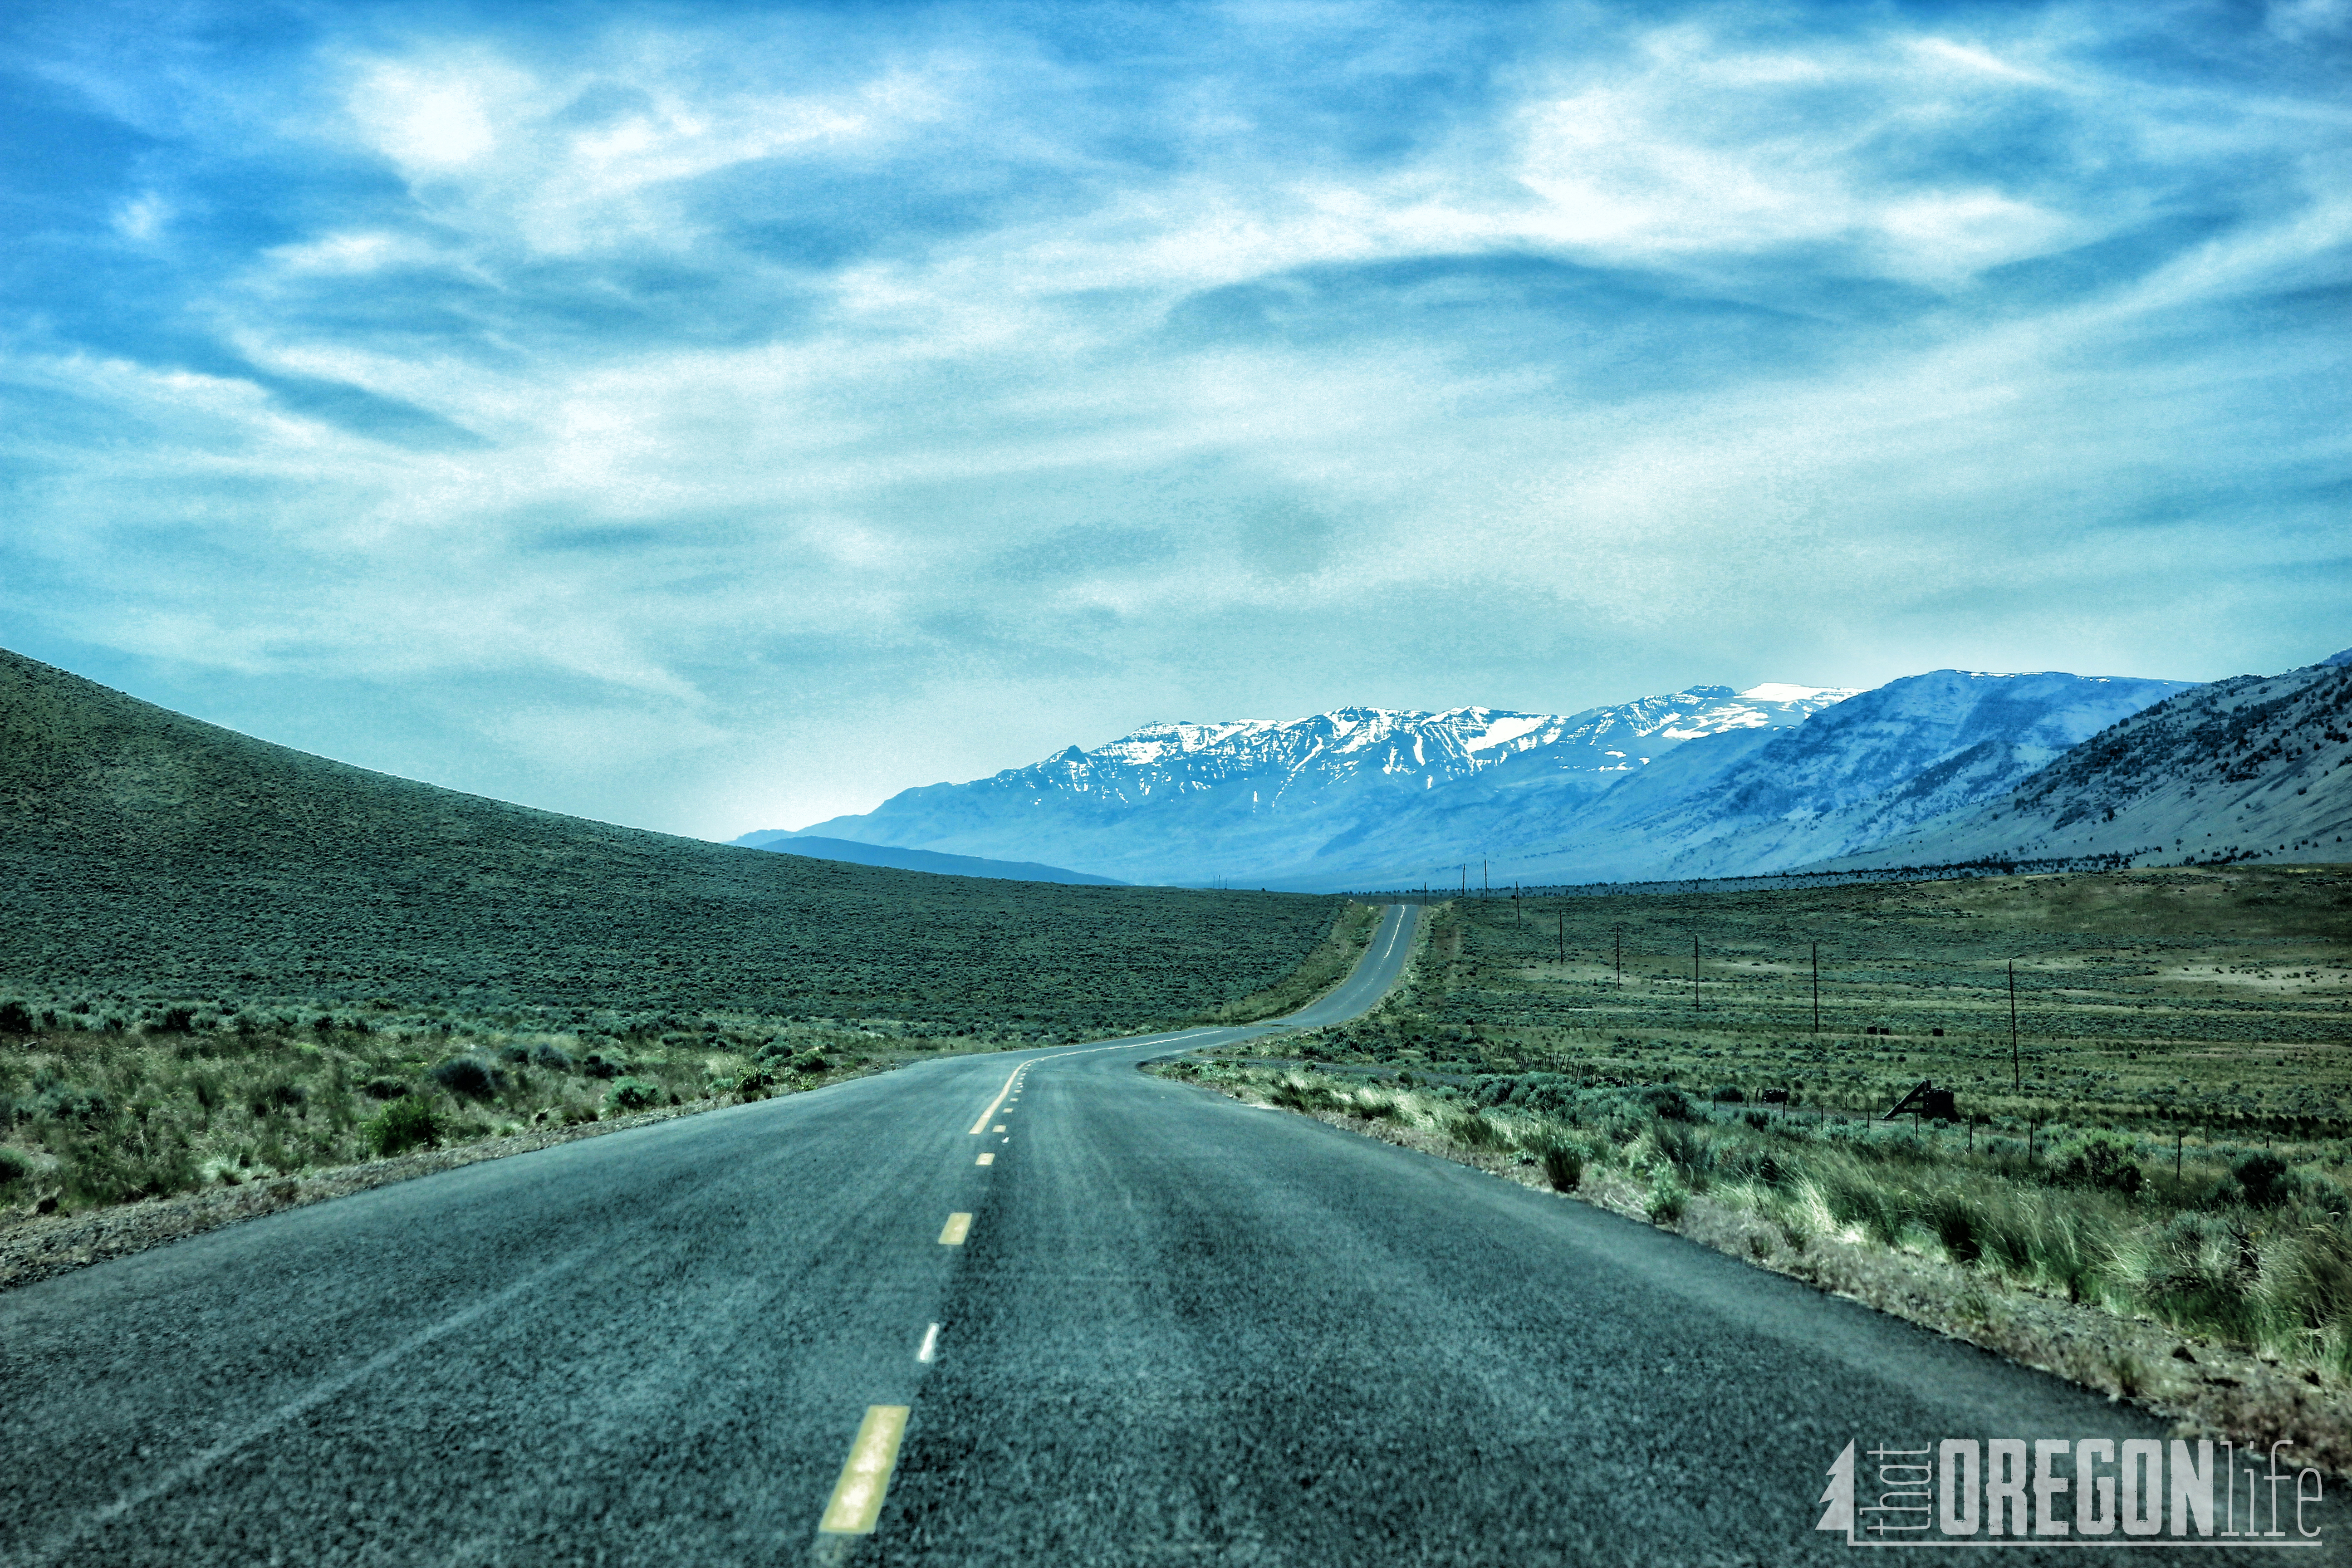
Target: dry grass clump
{"points": [[2241, 1247], [102, 1115]]}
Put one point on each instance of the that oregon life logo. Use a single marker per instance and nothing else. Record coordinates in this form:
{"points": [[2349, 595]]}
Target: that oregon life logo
{"points": [[2081, 1492]]}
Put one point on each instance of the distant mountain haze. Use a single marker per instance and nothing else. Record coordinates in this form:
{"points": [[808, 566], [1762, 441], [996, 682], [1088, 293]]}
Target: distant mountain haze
{"points": [[1707, 782]]}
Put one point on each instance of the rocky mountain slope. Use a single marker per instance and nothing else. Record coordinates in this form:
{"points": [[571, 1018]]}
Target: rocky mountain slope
{"points": [[1256, 801], [1871, 767], [2253, 768]]}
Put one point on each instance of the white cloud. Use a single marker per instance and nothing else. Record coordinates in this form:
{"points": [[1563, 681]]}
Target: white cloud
{"points": [[142, 217], [435, 117], [1677, 342]]}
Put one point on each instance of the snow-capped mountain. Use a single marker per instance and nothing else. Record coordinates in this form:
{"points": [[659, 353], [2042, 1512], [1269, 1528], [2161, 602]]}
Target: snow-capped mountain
{"points": [[1752, 802], [2253, 768], [1254, 799]]}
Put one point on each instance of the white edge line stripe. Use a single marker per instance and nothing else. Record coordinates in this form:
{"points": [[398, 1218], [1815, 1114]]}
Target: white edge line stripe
{"points": [[931, 1343]]}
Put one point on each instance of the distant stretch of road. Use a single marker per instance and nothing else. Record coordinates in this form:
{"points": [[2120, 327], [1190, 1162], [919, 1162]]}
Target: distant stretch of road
{"points": [[1028, 1308]]}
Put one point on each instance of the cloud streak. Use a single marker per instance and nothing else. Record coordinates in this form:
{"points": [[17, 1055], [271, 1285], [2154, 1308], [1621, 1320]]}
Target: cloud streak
{"points": [[716, 418]]}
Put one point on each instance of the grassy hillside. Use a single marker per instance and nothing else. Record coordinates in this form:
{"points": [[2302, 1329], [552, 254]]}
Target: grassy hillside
{"points": [[222, 960], [148, 859]]}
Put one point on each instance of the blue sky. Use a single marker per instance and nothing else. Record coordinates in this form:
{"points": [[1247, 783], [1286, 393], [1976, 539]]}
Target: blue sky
{"points": [[713, 417]]}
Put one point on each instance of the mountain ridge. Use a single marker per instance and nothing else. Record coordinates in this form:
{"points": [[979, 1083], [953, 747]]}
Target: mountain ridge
{"points": [[1705, 782], [1143, 806], [2198, 779]]}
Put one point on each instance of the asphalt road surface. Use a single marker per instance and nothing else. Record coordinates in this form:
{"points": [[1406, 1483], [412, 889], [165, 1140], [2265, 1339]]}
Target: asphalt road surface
{"points": [[1154, 1326]]}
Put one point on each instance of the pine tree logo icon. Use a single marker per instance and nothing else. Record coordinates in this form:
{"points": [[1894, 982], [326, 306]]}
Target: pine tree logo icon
{"points": [[1840, 1495]]}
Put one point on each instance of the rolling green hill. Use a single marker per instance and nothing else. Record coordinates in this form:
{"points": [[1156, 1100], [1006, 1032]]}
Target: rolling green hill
{"points": [[149, 860]]}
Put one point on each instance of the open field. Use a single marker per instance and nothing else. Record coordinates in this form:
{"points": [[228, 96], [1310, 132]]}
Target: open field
{"points": [[2209, 1002], [2167, 1144], [94, 1114]]}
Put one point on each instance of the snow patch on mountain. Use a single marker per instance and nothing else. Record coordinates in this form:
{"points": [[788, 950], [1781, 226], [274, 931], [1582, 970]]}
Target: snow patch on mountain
{"points": [[1734, 803], [1251, 799]]}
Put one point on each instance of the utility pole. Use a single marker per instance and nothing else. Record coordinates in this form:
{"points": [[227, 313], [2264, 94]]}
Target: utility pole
{"points": [[1694, 973], [2016, 1063], [1485, 883], [1817, 988], [1621, 957], [1563, 940]]}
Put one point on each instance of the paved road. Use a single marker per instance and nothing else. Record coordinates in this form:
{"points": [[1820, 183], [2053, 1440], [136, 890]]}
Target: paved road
{"points": [[1172, 1329]]}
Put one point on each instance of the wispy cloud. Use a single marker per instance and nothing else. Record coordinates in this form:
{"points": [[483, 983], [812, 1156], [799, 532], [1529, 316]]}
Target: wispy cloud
{"points": [[705, 416]]}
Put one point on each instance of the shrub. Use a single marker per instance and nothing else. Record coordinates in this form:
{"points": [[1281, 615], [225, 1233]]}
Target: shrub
{"points": [[1685, 1148], [1668, 1103], [2263, 1179], [279, 1096], [469, 1076], [70, 1103], [633, 1094], [1667, 1199], [384, 1088], [14, 1019], [1563, 1166], [177, 1021], [14, 1166], [405, 1124], [1728, 1094], [550, 1055], [809, 1060], [603, 1064], [2101, 1162]]}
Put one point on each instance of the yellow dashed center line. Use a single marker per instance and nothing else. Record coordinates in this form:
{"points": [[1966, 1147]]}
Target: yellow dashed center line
{"points": [[982, 1124], [985, 1159], [958, 1226], [865, 1476]]}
